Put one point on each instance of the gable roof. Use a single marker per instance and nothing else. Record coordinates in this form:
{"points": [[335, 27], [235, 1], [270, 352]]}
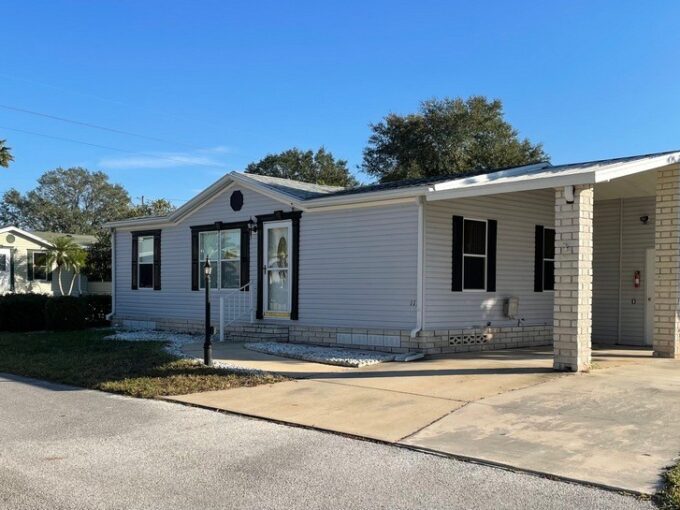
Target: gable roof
{"points": [[296, 189], [82, 240], [25, 234], [306, 196]]}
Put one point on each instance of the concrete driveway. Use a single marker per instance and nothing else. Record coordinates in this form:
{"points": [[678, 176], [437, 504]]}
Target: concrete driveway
{"points": [[612, 427], [70, 449]]}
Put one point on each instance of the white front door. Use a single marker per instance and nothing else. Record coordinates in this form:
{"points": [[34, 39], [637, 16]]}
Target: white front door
{"points": [[5, 270], [648, 278], [277, 251]]}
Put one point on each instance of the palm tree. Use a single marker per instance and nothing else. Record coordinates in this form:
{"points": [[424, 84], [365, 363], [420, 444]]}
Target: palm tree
{"points": [[66, 255], [5, 154]]}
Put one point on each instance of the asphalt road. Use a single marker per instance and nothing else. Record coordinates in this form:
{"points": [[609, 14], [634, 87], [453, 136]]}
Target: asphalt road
{"points": [[66, 448]]}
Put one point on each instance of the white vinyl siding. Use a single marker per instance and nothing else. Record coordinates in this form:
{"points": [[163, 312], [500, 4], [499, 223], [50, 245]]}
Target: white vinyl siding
{"points": [[176, 300], [636, 237], [357, 266], [517, 215]]}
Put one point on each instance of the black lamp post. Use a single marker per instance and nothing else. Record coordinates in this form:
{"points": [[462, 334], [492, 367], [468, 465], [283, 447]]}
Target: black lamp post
{"points": [[207, 346]]}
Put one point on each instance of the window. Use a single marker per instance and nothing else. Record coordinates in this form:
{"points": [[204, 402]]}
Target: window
{"points": [[3, 262], [549, 259], [474, 254], [39, 266], [145, 262], [223, 249]]}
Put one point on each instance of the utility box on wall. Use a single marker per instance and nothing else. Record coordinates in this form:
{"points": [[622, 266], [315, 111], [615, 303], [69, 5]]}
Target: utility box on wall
{"points": [[511, 307]]}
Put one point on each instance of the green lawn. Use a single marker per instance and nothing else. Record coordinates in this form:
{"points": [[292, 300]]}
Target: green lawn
{"points": [[669, 499], [138, 369]]}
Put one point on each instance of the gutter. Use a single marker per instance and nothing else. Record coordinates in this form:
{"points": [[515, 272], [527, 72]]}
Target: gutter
{"points": [[113, 275], [420, 276]]}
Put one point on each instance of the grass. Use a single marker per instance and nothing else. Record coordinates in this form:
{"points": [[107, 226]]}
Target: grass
{"points": [[669, 498], [138, 369]]}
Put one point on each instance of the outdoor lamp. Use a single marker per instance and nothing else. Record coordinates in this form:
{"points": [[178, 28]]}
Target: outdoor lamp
{"points": [[207, 345]]}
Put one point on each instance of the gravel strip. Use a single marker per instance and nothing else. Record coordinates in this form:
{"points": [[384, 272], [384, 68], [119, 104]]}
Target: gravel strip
{"points": [[174, 342], [327, 355]]}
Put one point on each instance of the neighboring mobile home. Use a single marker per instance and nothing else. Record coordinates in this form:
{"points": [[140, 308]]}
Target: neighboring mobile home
{"points": [[526, 256], [23, 263]]}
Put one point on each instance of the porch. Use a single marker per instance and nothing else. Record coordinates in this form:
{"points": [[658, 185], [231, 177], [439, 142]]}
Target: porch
{"points": [[603, 265]]}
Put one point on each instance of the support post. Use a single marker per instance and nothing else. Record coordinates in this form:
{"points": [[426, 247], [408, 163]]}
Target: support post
{"points": [[572, 323], [667, 254]]}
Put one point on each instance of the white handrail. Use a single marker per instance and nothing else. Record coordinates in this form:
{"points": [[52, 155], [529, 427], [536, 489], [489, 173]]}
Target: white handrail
{"points": [[236, 304]]}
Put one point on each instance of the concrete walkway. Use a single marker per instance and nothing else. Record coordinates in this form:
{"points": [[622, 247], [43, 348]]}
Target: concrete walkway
{"points": [[613, 426], [71, 449]]}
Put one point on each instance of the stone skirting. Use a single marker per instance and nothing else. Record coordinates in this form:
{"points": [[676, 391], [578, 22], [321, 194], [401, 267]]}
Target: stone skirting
{"points": [[236, 333], [430, 341]]}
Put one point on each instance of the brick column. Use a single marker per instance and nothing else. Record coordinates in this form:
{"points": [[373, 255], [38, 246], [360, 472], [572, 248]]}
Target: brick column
{"points": [[572, 322], [667, 245]]}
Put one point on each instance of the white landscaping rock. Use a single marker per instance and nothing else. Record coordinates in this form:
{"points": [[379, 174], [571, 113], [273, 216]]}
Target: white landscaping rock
{"points": [[318, 354], [173, 345]]}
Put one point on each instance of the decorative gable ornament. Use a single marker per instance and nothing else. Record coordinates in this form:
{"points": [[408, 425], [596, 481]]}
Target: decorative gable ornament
{"points": [[236, 200]]}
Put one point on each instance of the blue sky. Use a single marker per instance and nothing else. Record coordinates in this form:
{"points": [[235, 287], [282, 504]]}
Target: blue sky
{"points": [[213, 85]]}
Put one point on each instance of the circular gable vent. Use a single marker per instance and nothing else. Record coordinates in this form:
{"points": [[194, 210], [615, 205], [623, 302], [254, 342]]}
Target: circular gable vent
{"points": [[10, 238], [236, 200]]}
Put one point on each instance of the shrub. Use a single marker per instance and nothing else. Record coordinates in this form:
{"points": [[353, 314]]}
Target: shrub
{"points": [[22, 312], [65, 313], [97, 306]]}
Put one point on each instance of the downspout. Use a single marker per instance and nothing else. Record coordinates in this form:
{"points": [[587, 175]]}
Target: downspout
{"points": [[420, 277], [113, 275]]}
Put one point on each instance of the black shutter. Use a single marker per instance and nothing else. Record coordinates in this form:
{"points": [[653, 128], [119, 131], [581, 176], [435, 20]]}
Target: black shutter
{"points": [[491, 255], [11, 269], [245, 257], [538, 259], [135, 253], [260, 272], [194, 260], [157, 261], [296, 269], [29, 266], [457, 255]]}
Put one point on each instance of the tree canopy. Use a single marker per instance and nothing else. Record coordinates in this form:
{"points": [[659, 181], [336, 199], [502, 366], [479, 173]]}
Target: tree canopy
{"points": [[5, 154], [447, 136], [74, 201], [306, 166]]}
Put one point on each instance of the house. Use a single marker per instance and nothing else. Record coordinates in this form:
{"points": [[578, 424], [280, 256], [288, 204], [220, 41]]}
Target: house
{"points": [[23, 263], [534, 255]]}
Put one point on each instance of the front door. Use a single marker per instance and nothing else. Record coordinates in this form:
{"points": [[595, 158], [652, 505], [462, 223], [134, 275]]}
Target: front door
{"points": [[649, 276], [5, 271], [277, 250]]}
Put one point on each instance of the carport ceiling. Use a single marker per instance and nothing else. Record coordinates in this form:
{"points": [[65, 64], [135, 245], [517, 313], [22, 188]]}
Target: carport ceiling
{"points": [[636, 185]]}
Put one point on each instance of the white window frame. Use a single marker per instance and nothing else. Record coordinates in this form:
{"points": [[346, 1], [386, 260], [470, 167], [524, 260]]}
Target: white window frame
{"points": [[544, 258], [33, 254], [139, 263], [217, 264], [485, 256]]}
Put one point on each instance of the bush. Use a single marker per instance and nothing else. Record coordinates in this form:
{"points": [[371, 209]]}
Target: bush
{"points": [[65, 313], [22, 312], [35, 312], [97, 306]]}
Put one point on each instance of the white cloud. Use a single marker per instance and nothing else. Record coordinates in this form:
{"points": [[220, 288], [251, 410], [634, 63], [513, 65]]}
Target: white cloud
{"points": [[164, 160]]}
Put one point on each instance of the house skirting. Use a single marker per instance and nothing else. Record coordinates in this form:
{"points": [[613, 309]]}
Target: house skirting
{"points": [[430, 342]]}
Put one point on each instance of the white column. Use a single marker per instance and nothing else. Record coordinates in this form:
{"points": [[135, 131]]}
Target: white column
{"points": [[667, 254], [572, 322]]}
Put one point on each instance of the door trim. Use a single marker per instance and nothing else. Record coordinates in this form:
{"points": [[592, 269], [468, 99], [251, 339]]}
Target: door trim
{"points": [[294, 217]]}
